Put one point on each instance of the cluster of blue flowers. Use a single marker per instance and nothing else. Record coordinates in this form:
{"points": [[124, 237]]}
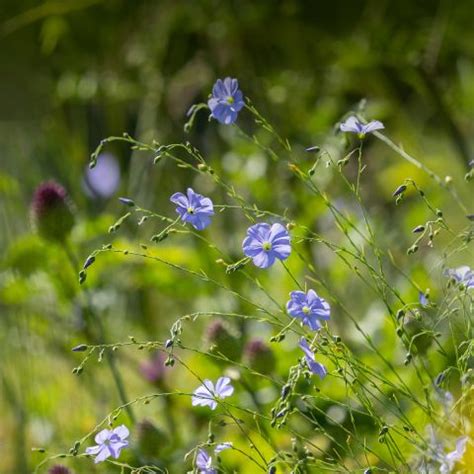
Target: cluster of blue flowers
{"points": [[264, 244]]}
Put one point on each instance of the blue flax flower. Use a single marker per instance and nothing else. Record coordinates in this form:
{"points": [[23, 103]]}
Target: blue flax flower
{"points": [[207, 394], [264, 243], [449, 460], [315, 367], [109, 443], [462, 275], [309, 307], [226, 101], [354, 125], [204, 462], [193, 208]]}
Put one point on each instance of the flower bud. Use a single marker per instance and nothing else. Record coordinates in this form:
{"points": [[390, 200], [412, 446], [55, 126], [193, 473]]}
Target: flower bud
{"points": [[221, 338], [59, 469], [51, 211], [259, 356], [154, 369]]}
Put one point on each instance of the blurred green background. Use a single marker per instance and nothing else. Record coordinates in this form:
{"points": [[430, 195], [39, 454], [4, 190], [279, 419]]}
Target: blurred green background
{"points": [[74, 72]]}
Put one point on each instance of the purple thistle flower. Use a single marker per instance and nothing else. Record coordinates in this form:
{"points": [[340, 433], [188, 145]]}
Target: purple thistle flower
{"points": [[462, 275], [193, 208], [315, 367], [207, 394], [265, 243], [204, 462], [51, 211], [309, 307], [226, 101], [59, 469], [154, 369], [354, 125], [109, 443]]}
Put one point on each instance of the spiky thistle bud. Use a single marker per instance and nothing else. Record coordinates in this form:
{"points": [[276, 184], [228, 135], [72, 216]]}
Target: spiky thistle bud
{"points": [[59, 469], [259, 356], [221, 338], [51, 211]]}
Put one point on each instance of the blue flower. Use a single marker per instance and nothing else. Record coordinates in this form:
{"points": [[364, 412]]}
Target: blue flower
{"points": [[315, 367], [204, 462], [109, 443], [207, 394], [462, 275], [423, 299], [223, 446], [450, 459], [354, 125], [309, 307], [193, 208], [264, 243], [226, 101]]}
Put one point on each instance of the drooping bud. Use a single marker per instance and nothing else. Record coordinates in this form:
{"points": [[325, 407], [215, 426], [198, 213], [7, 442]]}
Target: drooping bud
{"points": [[221, 338], [259, 356], [51, 211]]}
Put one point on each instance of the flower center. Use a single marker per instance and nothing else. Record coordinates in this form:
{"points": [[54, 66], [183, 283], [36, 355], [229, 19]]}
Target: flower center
{"points": [[267, 246], [230, 100], [190, 210], [306, 309], [361, 135]]}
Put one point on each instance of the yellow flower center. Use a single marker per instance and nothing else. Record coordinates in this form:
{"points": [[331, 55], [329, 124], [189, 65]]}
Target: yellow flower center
{"points": [[267, 246], [230, 100], [190, 210], [306, 309]]}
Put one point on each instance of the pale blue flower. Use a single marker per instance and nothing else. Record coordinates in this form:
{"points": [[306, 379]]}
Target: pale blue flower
{"points": [[315, 367], [449, 460], [226, 101], [204, 462], [354, 125], [265, 243], [207, 394], [222, 446], [422, 298], [308, 307], [462, 275], [109, 443], [193, 208]]}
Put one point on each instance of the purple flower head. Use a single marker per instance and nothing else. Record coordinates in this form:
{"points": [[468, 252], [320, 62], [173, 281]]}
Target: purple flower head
{"points": [[193, 208], [315, 367], [207, 394], [264, 243], [309, 307], [204, 462], [51, 211], [354, 125], [154, 369], [462, 275], [226, 101], [59, 469], [109, 443]]}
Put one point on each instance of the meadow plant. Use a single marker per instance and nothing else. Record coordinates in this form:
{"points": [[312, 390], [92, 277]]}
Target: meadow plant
{"points": [[300, 385]]}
